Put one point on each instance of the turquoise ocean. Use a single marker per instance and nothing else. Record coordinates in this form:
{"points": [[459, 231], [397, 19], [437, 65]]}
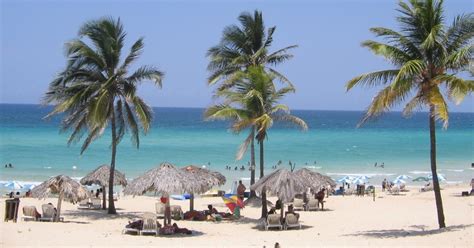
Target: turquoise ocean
{"points": [[332, 145]]}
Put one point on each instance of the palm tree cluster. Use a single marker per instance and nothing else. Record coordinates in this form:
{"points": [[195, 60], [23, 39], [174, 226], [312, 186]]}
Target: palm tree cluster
{"points": [[242, 66], [426, 56]]}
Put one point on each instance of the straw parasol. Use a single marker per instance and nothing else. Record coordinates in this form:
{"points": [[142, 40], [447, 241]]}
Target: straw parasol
{"points": [[213, 178], [166, 179], [65, 187], [100, 176], [282, 183], [314, 180]]}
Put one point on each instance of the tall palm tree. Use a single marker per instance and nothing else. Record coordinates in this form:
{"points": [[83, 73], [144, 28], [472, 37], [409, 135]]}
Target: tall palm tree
{"points": [[253, 102], [426, 56], [241, 47], [96, 89]]}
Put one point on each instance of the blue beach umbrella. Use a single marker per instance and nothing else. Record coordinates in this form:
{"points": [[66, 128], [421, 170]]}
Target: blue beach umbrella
{"points": [[403, 177], [359, 181], [345, 179], [13, 185], [364, 177], [399, 181], [440, 177]]}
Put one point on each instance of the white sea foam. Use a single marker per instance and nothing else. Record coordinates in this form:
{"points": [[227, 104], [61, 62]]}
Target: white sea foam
{"points": [[47, 167], [313, 167], [454, 170], [419, 172], [359, 174], [453, 182]]}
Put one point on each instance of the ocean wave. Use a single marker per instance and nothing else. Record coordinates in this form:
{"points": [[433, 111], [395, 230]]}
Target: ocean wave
{"points": [[313, 167], [453, 182], [359, 174], [453, 170], [419, 172], [47, 167]]}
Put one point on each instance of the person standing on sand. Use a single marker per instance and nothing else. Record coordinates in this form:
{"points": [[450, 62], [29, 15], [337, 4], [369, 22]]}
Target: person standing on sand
{"points": [[241, 190], [384, 184]]}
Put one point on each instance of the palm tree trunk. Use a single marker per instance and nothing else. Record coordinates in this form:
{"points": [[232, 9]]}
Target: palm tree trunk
{"points": [[104, 201], [264, 193], [252, 163], [112, 167], [437, 191], [58, 209]]}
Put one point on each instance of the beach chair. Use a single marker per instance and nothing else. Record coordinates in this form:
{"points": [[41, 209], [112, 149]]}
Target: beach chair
{"points": [[291, 221], [176, 212], [84, 204], [395, 190], [312, 205], [96, 203], [273, 220], [160, 209], [48, 213], [298, 204], [150, 224], [29, 213]]}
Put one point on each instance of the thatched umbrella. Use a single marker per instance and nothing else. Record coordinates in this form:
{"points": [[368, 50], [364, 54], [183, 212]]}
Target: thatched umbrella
{"points": [[314, 180], [100, 176], [65, 187], [213, 178], [165, 180], [282, 183]]}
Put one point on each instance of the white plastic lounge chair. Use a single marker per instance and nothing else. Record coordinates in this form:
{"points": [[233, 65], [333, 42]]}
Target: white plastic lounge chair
{"points": [[291, 221], [84, 204], [29, 213], [96, 203], [48, 213], [150, 224], [160, 209], [176, 211], [273, 220], [131, 230], [298, 204], [312, 205]]}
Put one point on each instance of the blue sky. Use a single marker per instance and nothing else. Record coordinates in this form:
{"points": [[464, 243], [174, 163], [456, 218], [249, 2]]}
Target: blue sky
{"points": [[178, 34]]}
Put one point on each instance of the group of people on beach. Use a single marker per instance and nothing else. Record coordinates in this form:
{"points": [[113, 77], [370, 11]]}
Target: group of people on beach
{"points": [[9, 165], [228, 167], [387, 185]]}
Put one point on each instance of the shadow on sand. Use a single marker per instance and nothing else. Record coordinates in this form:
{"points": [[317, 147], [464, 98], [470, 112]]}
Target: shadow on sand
{"points": [[92, 214], [418, 230]]}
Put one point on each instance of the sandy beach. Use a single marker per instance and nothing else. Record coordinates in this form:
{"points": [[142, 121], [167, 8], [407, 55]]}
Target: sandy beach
{"points": [[408, 219]]}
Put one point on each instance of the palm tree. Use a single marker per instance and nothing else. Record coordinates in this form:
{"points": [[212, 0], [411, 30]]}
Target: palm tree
{"points": [[253, 102], [240, 48], [426, 56], [96, 89]]}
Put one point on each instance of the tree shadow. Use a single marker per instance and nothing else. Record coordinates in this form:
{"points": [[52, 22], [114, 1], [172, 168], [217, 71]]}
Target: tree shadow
{"points": [[92, 214], [417, 230]]}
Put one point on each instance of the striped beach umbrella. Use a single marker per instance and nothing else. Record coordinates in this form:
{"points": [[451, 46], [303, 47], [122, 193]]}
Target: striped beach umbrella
{"points": [[13, 185], [403, 177]]}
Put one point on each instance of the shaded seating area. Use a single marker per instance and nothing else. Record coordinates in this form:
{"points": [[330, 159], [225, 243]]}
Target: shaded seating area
{"points": [[273, 221], [30, 213], [291, 221], [49, 213]]}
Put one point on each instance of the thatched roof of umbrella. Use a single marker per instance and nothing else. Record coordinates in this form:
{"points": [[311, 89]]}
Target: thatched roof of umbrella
{"points": [[213, 177], [281, 183], [167, 179], [100, 176], [314, 180], [62, 185]]}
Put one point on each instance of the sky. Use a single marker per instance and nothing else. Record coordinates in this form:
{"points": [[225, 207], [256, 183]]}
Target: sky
{"points": [[178, 34]]}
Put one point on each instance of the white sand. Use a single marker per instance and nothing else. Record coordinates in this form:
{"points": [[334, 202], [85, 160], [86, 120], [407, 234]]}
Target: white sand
{"points": [[405, 220]]}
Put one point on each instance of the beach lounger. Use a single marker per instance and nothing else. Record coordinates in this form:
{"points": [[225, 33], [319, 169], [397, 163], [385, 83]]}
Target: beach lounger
{"points": [[84, 204], [160, 209], [29, 213], [48, 213], [150, 224], [176, 212], [298, 204], [291, 221], [312, 205], [96, 203], [273, 220]]}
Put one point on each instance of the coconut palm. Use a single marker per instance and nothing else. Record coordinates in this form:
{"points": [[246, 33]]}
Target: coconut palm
{"points": [[426, 56], [240, 48], [96, 89], [254, 103]]}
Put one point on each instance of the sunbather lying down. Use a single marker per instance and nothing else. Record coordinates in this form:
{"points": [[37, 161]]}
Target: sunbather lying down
{"points": [[210, 214], [166, 230]]}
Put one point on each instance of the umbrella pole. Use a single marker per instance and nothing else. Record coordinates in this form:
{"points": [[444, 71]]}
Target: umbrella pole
{"points": [[281, 212], [167, 211], [191, 202], [58, 210], [103, 198]]}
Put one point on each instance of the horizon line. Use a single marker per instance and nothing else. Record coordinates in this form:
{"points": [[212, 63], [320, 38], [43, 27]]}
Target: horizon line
{"points": [[296, 109]]}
